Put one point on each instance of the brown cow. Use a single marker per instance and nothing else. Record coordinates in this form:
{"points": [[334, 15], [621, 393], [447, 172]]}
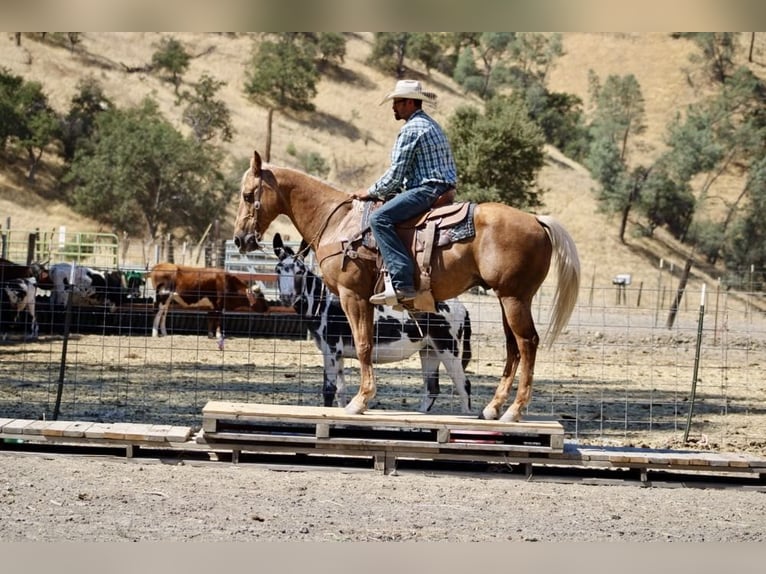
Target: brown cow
{"points": [[201, 288]]}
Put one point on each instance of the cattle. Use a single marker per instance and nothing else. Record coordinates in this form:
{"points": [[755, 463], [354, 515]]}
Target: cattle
{"points": [[59, 276], [20, 293], [10, 270], [443, 337], [89, 287], [201, 288]]}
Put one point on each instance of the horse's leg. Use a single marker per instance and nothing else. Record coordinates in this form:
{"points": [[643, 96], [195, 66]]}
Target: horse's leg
{"points": [[157, 319], [330, 378], [341, 380], [359, 312], [521, 341], [456, 372], [429, 366], [32, 312]]}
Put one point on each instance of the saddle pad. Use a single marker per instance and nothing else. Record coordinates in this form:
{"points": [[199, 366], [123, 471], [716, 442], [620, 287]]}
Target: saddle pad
{"points": [[457, 227]]}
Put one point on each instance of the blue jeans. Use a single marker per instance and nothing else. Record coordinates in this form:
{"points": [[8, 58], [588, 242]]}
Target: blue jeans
{"points": [[383, 222]]}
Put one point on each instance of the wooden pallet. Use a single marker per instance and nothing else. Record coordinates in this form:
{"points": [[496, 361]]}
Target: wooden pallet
{"points": [[384, 435], [125, 435]]}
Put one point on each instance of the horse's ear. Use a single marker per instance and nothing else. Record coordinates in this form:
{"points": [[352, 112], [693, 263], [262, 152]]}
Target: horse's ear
{"points": [[280, 249], [255, 164], [279, 246]]}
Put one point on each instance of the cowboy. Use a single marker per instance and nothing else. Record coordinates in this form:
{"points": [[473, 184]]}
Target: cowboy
{"points": [[422, 169]]}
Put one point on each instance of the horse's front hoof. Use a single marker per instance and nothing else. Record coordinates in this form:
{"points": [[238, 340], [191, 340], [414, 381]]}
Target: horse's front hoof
{"points": [[355, 407], [489, 413]]}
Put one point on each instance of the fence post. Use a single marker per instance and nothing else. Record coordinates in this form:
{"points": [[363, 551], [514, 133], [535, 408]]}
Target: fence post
{"points": [[696, 364]]}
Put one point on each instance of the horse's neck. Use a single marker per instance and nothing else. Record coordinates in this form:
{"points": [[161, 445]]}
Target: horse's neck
{"points": [[312, 203]]}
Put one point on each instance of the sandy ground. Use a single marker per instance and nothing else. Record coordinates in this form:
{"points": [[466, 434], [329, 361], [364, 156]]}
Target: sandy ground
{"points": [[52, 498]]}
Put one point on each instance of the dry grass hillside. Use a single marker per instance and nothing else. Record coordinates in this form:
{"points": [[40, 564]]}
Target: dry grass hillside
{"points": [[349, 128]]}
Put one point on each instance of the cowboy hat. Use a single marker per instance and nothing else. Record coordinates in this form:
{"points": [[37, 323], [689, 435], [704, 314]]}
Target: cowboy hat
{"points": [[409, 90]]}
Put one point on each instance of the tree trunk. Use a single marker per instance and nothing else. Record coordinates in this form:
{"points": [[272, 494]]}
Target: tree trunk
{"points": [[624, 222], [679, 293], [34, 161]]}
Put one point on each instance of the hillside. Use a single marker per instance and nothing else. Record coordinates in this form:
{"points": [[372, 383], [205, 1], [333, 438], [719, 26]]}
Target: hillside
{"points": [[349, 128]]}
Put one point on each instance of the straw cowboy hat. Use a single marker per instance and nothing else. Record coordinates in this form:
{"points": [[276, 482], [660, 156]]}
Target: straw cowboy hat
{"points": [[410, 90]]}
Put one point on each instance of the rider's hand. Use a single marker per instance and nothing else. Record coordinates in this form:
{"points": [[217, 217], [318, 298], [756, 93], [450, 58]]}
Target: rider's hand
{"points": [[363, 195]]}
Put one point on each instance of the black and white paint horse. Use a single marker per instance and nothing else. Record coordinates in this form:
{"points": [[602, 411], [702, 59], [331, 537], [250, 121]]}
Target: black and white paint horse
{"points": [[443, 337]]}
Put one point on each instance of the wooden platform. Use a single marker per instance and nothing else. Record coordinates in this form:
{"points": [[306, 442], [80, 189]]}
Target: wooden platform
{"points": [[384, 435], [126, 435]]}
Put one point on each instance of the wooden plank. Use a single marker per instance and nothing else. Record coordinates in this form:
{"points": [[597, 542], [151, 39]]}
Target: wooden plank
{"points": [[77, 429], [738, 461], [117, 431], [97, 430], [4, 422], [35, 427], [17, 426], [56, 428], [178, 434], [322, 430], [157, 433], [288, 413]]}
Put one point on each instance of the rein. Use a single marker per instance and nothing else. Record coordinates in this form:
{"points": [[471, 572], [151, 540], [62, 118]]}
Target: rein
{"points": [[322, 229]]}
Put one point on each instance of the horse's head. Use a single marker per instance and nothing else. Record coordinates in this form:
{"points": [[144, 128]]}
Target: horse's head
{"points": [[256, 210], [291, 272]]}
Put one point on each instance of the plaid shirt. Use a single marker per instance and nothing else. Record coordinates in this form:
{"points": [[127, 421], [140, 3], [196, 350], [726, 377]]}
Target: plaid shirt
{"points": [[421, 155]]}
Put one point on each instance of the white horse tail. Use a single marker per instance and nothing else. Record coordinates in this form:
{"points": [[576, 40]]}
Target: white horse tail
{"points": [[568, 271]]}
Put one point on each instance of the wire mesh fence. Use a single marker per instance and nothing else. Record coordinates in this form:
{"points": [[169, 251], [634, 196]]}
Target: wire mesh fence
{"points": [[626, 371]]}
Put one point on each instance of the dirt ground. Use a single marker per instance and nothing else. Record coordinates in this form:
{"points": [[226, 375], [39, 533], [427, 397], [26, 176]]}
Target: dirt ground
{"points": [[54, 498]]}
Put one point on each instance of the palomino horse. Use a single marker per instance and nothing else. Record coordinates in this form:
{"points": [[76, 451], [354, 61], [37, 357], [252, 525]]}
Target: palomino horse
{"points": [[510, 253]]}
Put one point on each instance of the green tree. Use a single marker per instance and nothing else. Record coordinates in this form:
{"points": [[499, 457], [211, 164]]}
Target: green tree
{"points": [[665, 200], [142, 177], [533, 56], [724, 134], [282, 74], [426, 49], [452, 45], [491, 50], [618, 119], [207, 116], [80, 122], [171, 60], [11, 118], [748, 234], [467, 73], [389, 50], [718, 52], [331, 46], [27, 121], [498, 153]]}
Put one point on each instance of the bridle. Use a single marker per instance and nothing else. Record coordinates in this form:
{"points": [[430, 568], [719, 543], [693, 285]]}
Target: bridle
{"points": [[252, 210], [256, 205]]}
